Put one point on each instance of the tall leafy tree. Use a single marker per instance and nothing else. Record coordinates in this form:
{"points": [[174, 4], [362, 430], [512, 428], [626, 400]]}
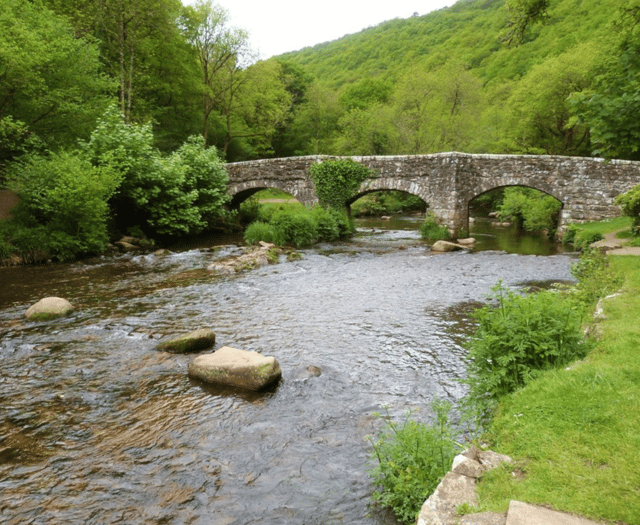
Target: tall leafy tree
{"points": [[51, 83], [611, 107], [220, 50], [540, 115]]}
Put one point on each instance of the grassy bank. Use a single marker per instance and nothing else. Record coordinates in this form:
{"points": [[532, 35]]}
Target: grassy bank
{"points": [[575, 433]]}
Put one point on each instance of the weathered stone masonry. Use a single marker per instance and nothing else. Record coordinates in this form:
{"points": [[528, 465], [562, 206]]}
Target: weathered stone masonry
{"points": [[586, 187]]}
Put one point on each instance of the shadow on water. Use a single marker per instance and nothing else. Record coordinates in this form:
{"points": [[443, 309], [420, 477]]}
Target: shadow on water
{"points": [[98, 426]]}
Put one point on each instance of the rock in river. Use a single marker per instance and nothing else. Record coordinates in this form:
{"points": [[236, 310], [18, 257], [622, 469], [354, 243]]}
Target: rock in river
{"points": [[446, 246], [191, 342], [48, 308], [230, 366]]}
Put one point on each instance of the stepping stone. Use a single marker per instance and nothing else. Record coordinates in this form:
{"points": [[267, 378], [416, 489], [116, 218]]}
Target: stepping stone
{"points": [[233, 367]]}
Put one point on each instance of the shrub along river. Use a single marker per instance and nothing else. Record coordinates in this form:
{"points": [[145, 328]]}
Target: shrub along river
{"points": [[97, 426]]}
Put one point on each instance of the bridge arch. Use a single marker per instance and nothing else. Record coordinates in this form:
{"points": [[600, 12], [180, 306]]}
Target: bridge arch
{"points": [[243, 194]]}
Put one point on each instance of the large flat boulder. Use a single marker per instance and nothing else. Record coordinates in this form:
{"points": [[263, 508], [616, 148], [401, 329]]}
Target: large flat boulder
{"points": [[191, 342], [48, 308], [230, 366]]}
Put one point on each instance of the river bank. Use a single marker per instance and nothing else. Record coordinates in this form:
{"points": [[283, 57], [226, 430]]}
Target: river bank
{"points": [[574, 433]]}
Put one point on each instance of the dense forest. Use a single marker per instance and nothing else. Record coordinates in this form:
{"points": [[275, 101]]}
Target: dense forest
{"points": [[515, 76], [135, 105]]}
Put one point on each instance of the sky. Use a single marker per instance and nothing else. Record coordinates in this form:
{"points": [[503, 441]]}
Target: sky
{"points": [[278, 26]]}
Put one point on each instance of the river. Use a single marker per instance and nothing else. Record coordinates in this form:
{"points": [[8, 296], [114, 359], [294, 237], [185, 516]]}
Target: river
{"points": [[97, 426]]}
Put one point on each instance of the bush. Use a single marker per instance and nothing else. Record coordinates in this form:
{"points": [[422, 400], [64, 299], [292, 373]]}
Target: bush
{"points": [[629, 203], [64, 211], [258, 231], [411, 460], [337, 181], [180, 194], [326, 224], [294, 228], [431, 229], [516, 340]]}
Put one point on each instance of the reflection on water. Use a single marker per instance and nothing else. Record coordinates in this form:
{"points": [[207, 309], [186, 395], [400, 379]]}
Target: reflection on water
{"points": [[99, 427], [490, 235]]}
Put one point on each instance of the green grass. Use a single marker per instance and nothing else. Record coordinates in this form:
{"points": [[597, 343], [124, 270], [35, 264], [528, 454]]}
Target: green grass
{"points": [[608, 226], [575, 434]]}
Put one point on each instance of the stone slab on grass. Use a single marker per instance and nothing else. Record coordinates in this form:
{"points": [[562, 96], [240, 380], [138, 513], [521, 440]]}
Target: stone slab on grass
{"points": [[48, 308], [526, 514], [230, 366], [191, 342]]}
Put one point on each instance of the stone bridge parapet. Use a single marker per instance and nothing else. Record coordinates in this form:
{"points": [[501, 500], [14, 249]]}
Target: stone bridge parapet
{"points": [[447, 182]]}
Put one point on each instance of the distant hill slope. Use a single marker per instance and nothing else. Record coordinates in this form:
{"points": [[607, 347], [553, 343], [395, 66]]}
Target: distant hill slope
{"points": [[467, 32]]}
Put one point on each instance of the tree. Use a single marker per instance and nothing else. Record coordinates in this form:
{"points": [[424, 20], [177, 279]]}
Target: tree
{"points": [[611, 107], [437, 110], [220, 50], [50, 81], [521, 15], [540, 117], [316, 122]]}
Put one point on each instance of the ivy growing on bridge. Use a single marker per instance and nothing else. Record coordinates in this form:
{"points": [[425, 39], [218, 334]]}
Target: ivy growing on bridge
{"points": [[337, 181]]}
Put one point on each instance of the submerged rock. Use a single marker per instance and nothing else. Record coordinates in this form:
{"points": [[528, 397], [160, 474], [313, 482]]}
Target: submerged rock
{"points": [[48, 308], [191, 342], [230, 366], [469, 241]]}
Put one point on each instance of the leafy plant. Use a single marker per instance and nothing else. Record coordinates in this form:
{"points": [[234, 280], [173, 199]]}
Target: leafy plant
{"points": [[530, 209], [595, 278], [629, 202], [516, 339], [258, 231], [337, 181], [294, 228], [410, 461], [180, 194], [432, 229], [64, 208]]}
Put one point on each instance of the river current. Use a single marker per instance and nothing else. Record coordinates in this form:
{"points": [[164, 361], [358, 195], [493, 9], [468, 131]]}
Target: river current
{"points": [[97, 426]]}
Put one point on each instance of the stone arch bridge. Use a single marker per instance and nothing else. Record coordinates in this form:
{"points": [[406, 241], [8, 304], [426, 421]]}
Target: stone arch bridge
{"points": [[447, 182]]}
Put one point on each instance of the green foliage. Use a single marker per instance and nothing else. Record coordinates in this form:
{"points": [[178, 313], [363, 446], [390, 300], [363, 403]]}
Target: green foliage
{"points": [[410, 460], [611, 107], [629, 203], [595, 277], [515, 340], [50, 80], [522, 14], [300, 227], [294, 228], [432, 229], [530, 209], [337, 181], [387, 202], [64, 209], [258, 231], [326, 224], [179, 194]]}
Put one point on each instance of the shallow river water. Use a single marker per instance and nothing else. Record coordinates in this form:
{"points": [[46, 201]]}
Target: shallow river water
{"points": [[97, 426]]}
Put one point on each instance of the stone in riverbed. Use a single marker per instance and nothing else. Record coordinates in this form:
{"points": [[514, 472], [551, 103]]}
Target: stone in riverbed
{"points": [[230, 366], [446, 246], [191, 342], [48, 308]]}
